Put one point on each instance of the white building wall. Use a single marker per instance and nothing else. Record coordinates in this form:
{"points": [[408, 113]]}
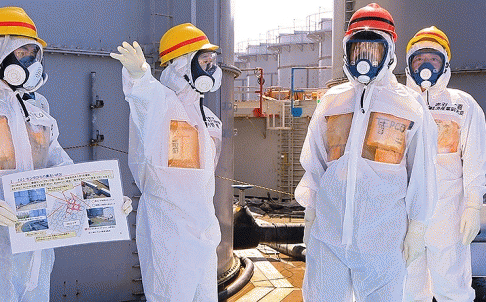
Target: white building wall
{"points": [[256, 155]]}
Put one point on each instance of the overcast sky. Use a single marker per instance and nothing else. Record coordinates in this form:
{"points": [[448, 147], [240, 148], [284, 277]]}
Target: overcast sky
{"points": [[254, 18]]}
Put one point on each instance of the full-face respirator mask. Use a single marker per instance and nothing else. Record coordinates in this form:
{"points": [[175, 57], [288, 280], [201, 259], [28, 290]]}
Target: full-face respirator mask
{"points": [[365, 55], [206, 74], [22, 69], [426, 66]]}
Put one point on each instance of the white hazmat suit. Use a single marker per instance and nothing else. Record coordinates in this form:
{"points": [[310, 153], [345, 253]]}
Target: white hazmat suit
{"points": [[444, 271], [368, 172], [172, 157], [25, 145], [38, 100]]}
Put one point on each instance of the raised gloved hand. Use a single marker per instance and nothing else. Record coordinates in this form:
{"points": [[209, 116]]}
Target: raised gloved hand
{"points": [[132, 59], [309, 217], [127, 205], [7, 216], [414, 243], [470, 224]]}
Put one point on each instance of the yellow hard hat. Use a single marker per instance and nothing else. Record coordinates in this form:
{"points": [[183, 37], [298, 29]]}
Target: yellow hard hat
{"points": [[182, 39], [431, 34], [14, 21]]}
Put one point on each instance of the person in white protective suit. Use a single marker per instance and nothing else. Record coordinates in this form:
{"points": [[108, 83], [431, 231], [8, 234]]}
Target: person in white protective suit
{"points": [[369, 182], [444, 271], [172, 154], [28, 140]]}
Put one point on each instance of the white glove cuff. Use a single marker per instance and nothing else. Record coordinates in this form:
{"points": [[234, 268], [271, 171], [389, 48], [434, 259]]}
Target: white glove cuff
{"points": [[310, 214], [474, 199], [416, 227], [143, 71]]}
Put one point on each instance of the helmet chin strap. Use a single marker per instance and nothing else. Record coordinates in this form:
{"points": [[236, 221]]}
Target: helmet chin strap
{"points": [[201, 98]]}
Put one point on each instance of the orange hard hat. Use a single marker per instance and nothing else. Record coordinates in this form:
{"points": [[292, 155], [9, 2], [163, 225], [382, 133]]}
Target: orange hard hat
{"points": [[372, 17]]}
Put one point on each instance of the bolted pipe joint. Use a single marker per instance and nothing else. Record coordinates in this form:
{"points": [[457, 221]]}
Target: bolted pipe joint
{"points": [[249, 234]]}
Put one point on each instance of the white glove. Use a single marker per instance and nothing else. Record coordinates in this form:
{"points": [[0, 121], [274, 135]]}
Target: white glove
{"points": [[127, 205], [7, 216], [414, 243], [309, 217], [132, 59], [470, 224]]}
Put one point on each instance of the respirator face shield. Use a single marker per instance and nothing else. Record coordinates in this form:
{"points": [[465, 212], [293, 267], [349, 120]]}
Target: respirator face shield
{"points": [[28, 54], [426, 66], [365, 55], [371, 51], [207, 61], [206, 74]]}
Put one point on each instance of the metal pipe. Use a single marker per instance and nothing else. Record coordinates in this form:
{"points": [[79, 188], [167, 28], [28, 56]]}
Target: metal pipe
{"points": [[294, 110], [281, 233], [248, 233], [338, 24], [216, 20], [295, 65], [77, 51], [241, 195], [249, 69], [239, 283], [292, 87], [193, 12], [230, 273], [258, 112], [235, 71], [297, 251], [246, 87], [96, 103], [223, 192], [93, 152], [260, 81]]}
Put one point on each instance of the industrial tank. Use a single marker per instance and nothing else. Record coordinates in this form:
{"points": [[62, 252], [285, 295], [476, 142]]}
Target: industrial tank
{"points": [[80, 36], [297, 49], [325, 49]]}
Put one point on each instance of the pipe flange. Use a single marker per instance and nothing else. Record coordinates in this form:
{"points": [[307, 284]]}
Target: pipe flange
{"points": [[231, 272], [240, 282]]}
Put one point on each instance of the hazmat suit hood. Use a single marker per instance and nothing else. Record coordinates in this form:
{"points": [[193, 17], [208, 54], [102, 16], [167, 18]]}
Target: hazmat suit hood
{"points": [[173, 78], [385, 76], [443, 79], [10, 43]]}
